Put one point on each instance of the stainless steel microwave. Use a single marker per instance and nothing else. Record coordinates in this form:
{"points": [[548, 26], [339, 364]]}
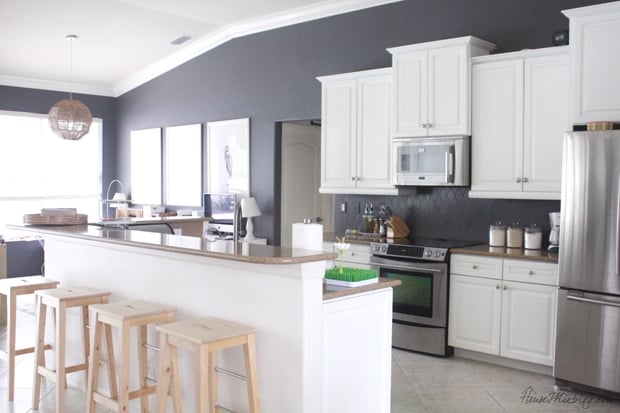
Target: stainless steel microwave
{"points": [[436, 161]]}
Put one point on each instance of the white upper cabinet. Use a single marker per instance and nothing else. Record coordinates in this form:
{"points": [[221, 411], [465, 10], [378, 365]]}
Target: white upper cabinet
{"points": [[594, 62], [431, 92], [355, 133], [519, 113]]}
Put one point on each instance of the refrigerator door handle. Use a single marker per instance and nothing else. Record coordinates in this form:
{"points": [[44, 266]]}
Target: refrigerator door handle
{"points": [[572, 297], [618, 232]]}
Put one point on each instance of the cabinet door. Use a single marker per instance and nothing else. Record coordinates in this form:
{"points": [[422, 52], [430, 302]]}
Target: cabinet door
{"points": [[528, 322], [594, 65], [338, 134], [497, 134], [448, 91], [373, 138], [410, 94], [474, 320], [546, 117]]}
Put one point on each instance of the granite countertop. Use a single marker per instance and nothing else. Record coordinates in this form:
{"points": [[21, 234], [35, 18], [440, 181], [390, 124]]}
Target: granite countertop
{"points": [[144, 220], [224, 249], [501, 252], [332, 291]]}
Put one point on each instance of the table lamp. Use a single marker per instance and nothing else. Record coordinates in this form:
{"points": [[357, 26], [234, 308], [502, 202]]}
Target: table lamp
{"points": [[249, 209]]}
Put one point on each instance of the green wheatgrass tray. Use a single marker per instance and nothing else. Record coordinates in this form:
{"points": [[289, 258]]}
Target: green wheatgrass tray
{"points": [[350, 277]]}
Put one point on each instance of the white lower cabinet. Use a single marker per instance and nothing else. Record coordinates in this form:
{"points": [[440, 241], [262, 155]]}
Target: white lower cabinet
{"points": [[511, 316], [357, 256]]}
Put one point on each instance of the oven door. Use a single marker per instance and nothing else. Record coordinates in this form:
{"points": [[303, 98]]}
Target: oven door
{"points": [[422, 298]]}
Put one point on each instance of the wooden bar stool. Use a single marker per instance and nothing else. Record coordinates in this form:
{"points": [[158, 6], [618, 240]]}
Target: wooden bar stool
{"points": [[12, 288], [124, 315], [61, 299], [204, 336]]}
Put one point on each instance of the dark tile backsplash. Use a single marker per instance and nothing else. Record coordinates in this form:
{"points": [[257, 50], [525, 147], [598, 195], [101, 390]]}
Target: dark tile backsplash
{"points": [[448, 212]]}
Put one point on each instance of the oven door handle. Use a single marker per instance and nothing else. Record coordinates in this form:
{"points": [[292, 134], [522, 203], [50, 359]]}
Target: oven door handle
{"points": [[405, 268]]}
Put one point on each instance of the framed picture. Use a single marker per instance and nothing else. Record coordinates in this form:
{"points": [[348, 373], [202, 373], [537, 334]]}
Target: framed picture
{"points": [[228, 154]]}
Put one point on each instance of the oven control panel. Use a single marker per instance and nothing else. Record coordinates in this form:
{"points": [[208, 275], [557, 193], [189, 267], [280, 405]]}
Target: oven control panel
{"points": [[409, 251]]}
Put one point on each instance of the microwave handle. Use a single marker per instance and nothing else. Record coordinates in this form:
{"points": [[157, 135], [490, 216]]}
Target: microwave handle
{"points": [[449, 159]]}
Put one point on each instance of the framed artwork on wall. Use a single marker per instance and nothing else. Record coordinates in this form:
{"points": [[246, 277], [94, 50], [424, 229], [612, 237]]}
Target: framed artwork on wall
{"points": [[145, 155], [183, 165], [228, 154]]}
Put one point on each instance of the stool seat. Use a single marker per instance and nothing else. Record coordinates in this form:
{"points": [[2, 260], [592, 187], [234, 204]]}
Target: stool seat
{"points": [[123, 315], [205, 336], [60, 300], [205, 330], [12, 288]]}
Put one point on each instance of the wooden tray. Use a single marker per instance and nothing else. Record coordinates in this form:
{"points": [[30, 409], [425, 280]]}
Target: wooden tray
{"points": [[39, 219]]}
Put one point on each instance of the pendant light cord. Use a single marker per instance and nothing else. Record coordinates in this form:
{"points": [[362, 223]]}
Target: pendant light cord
{"points": [[71, 38]]}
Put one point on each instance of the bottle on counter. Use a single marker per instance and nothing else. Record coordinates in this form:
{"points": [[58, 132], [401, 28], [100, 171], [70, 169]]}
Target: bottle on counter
{"points": [[514, 236], [367, 219], [533, 238], [497, 235]]}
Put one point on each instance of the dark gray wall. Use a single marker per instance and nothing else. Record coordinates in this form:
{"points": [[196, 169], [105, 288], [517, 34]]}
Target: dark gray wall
{"points": [[271, 76], [41, 101]]}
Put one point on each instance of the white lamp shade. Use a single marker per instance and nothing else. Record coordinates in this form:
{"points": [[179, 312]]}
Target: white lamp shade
{"points": [[249, 208]]}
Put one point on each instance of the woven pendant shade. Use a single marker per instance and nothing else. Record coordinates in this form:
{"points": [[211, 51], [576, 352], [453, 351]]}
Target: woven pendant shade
{"points": [[70, 119]]}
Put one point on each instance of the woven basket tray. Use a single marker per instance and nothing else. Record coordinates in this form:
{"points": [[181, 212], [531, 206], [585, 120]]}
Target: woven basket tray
{"points": [[39, 219]]}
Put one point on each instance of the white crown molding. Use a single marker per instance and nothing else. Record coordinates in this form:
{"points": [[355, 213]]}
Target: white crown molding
{"points": [[44, 84], [204, 44]]}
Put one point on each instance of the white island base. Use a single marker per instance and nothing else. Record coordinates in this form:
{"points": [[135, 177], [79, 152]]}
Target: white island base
{"points": [[313, 355]]}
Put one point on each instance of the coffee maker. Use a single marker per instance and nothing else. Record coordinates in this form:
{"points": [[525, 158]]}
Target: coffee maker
{"points": [[554, 234]]}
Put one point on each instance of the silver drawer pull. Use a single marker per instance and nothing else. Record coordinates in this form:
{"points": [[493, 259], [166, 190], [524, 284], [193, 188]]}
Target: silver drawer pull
{"points": [[475, 267], [530, 272]]}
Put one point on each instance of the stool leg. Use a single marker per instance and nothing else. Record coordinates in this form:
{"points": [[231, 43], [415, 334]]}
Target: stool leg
{"points": [[176, 384], [249, 349], [143, 367], [123, 384], [203, 381], [213, 379], [163, 378], [39, 351], [61, 341], [111, 363], [11, 324], [85, 340], [93, 365]]}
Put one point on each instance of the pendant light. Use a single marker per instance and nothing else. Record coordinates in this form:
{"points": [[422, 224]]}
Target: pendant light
{"points": [[69, 118]]}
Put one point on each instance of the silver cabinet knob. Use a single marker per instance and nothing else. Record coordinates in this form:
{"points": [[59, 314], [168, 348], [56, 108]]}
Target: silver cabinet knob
{"points": [[505, 288], [530, 272], [525, 180], [518, 180], [497, 287], [475, 267]]}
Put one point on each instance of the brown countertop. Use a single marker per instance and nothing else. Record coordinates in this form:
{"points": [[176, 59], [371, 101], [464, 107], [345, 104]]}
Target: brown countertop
{"points": [[500, 252], [332, 291], [253, 253]]}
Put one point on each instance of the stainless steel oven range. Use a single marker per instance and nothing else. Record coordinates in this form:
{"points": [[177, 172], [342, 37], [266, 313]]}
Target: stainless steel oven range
{"points": [[420, 310]]}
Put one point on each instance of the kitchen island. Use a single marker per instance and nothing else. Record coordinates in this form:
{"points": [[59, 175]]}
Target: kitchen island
{"points": [[314, 353]]}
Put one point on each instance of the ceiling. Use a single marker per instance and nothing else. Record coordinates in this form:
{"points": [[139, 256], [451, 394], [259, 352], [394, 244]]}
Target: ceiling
{"points": [[124, 43]]}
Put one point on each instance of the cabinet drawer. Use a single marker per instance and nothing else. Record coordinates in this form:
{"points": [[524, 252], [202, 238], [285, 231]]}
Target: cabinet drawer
{"points": [[476, 265], [531, 272]]}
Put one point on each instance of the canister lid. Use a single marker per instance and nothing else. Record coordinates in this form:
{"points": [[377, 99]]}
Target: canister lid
{"points": [[533, 228], [498, 226]]}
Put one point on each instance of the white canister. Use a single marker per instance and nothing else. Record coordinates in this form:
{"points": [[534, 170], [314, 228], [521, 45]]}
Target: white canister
{"points": [[533, 238], [514, 236], [497, 235]]}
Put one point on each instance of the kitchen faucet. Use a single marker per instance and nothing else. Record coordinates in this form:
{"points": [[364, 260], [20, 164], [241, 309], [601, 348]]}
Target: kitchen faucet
{"points": [[236, 222]]}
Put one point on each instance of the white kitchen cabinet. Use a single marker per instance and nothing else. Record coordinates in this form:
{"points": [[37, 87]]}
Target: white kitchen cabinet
{"points": [[519, 113], [357, 256], [594, 62], [355, 133], [431, 94], [347, 323], [512, 316], [474, 319]]}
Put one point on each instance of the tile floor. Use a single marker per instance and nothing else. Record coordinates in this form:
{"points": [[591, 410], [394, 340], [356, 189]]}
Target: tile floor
{"points": [[419, 384]]}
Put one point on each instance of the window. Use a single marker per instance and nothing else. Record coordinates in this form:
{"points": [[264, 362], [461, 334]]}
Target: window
{"points": [[40, 170], [146, 166], [183, 165]]}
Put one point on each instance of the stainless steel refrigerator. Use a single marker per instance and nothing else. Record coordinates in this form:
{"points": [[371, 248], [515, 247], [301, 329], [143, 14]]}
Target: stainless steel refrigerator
{"points": [[587, 352]]}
